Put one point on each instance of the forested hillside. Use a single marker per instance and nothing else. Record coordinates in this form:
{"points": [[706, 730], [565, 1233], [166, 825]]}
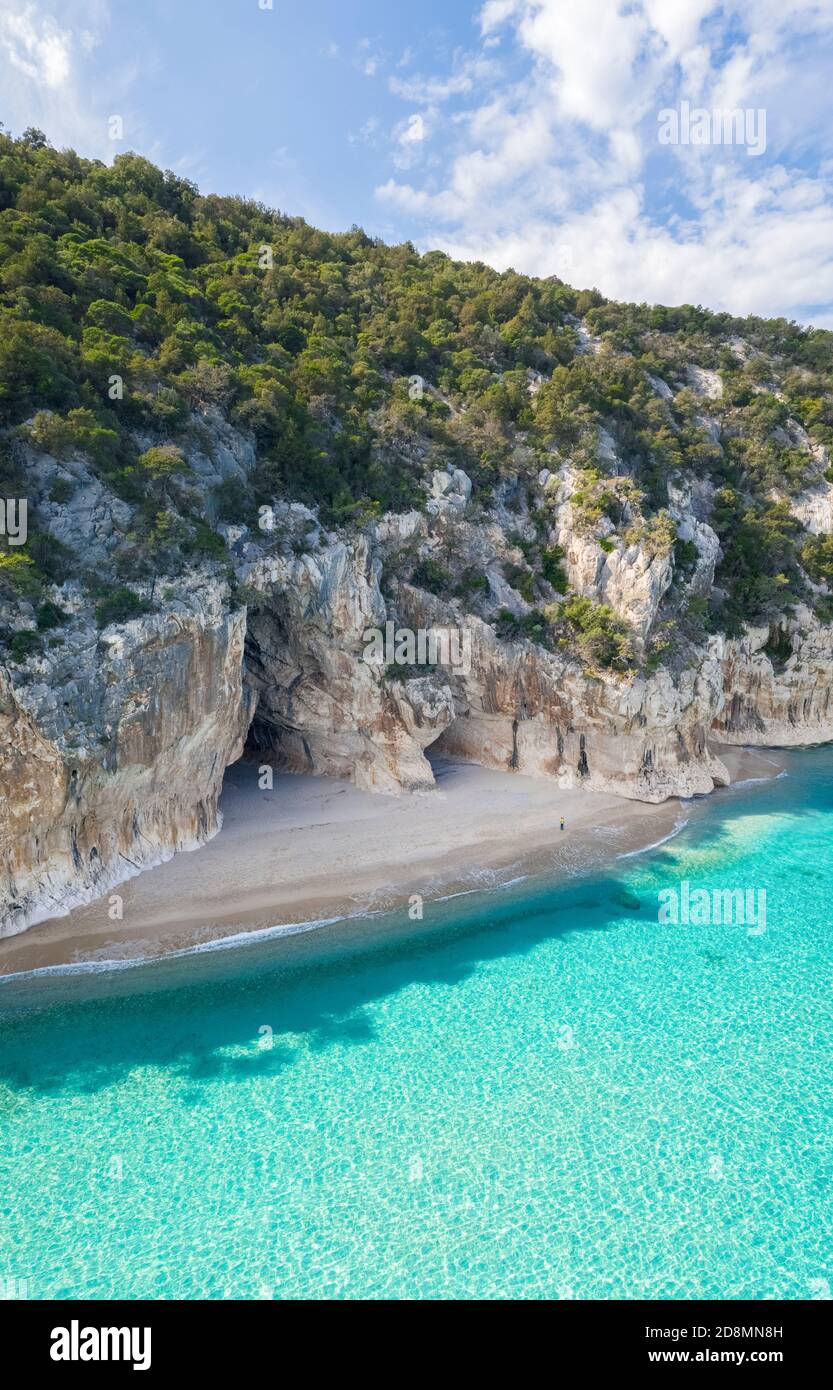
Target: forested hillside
{"points": [[130, 304]]}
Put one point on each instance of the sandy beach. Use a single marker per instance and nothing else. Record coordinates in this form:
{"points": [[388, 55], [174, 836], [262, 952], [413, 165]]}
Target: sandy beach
{"points": [[313, 848]]}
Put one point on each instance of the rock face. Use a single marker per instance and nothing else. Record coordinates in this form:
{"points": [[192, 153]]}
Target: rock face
{"points": [[630, 578], [113, 743], [778, 704], [113, 758], [814, 508], [531, 711], [450, 492], [645, 738], [686, 509], [92, 518], [322, 706]]}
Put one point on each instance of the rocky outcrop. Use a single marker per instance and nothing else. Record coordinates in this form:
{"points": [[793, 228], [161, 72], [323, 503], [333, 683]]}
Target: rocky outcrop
{"points": [[324, 705], [632, 579], [450, 492], [112, 753], [814, 508], [113, 743], [646, 738], [688, 510], [782, 700], [704, 382], [522, 708]]}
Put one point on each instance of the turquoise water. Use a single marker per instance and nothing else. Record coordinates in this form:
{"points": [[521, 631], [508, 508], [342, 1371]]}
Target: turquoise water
{"points": [[539, 1092]]}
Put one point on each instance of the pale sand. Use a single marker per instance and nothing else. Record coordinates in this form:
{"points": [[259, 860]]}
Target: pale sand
{"points": [[314, 848]]}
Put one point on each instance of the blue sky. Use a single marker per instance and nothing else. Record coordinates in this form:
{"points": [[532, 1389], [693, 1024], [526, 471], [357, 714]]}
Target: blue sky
{"points": [[520, 132]]}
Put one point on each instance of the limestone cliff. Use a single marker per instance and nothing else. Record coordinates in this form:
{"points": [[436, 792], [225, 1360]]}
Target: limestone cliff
{"points": [[112, 754], [597, 535], [321, 706], [113, 743]]}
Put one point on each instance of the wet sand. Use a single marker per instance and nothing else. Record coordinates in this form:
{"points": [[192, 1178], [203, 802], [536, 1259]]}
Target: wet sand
{"points": [[314, 848]]}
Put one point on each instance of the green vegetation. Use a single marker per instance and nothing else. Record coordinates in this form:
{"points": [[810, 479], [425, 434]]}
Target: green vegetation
{"points": [[521, 579], [685, 555], [779, 647], [49, 615], [472, 582], [133, 310], [19, 577], [552, 568], [120, 607], [533, 625], [602, 637], [429, 574], [760, 566], [817, 559], [22, 645]]}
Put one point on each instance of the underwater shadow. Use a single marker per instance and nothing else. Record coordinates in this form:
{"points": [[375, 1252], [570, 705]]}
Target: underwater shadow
{"points": [[250, 1010], [245, 1012]]}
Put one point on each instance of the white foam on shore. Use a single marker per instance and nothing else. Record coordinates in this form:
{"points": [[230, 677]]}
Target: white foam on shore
{"points": [[252, 937], [672, 834], [757, 781], [221, 943], [244, 939], [489, 887], [237, 939]]}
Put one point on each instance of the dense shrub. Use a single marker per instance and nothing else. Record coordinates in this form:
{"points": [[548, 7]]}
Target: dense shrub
{"points": [[358, 367], [602, 637], [119, 607]]}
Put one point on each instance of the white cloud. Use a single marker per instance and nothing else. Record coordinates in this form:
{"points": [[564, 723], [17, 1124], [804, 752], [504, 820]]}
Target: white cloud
{"points": [[370, 59], [496, 12], [563, 165], [50, 77], [469, 73], [367, 133], [592, 46], [38, 48]]}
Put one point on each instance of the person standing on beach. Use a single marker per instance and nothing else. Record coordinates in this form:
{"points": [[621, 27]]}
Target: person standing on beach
{"points": [[562, 822]]}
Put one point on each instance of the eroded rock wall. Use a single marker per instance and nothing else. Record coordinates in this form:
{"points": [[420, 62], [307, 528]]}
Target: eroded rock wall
{"points": [[322, 707], [112, 758], [782, 702], [114, 743]]}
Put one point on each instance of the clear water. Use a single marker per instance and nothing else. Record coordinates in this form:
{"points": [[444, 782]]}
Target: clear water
{"points": [[539, 1092]]}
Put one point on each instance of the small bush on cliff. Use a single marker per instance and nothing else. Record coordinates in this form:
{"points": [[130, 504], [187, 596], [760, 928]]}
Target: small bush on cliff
{"points": [[18, 574], [79, 431], [23, 645], [686, 555], [552, 568], [472, 581], [61, 490], [817, 559], [431, 575], [602, 637], [50, 616], [522, 580], [120, 607], [533, 625], [163, 461], [233, 501]]}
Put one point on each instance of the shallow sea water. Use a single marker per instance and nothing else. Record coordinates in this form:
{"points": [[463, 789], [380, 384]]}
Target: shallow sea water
{"points": [[537, 1092]]}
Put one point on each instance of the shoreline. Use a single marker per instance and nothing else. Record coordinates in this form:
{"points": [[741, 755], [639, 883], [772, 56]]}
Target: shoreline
{"points": [[314, 851]]}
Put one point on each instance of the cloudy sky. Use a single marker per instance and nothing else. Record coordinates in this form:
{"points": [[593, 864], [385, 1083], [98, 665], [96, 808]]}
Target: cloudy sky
{"points": [[524, 133]]}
